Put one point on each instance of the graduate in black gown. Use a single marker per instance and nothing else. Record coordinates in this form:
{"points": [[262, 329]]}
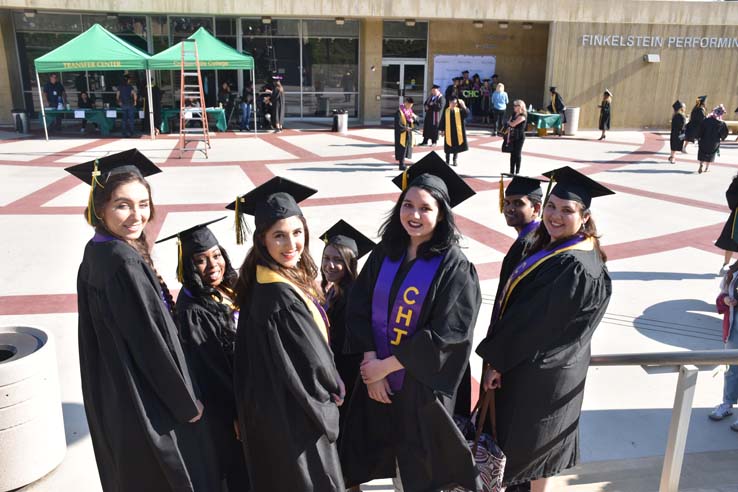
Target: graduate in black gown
{"points": [[404, 123], [412, 312], [678, 122], [698, 113], [141, 405], [286, 383], [605, 109], [729, 234], [453, 129], [433, 107], [206, 317], [712, 131], [538, 347]]}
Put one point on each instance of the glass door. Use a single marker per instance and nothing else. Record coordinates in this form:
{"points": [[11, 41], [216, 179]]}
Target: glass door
{"points": [[401, 78]]}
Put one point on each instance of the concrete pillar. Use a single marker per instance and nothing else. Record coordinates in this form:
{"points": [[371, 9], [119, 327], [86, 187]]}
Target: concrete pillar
{"points": [[370, 83], [11, 94]]}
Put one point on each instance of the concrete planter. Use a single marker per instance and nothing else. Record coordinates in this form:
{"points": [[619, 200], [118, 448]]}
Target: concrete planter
{"points": [[32, 440]]}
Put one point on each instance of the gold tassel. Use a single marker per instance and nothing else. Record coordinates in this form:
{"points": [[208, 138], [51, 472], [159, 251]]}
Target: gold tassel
{"points": [[404, 180], [180, 263], [502, 194], [241, 227], [548, 192], [92, 217]]}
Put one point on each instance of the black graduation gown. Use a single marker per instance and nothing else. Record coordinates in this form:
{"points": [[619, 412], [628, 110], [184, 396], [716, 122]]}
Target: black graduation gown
{"points": [[137, 390], [455, 146], [284, 376], [556, 105], [346, 364], [604, 116], [202, 329], [696, 117], [433, 110], [709, 135], [678, 121], [725, 241], [416, 431], [541, 345], [403, 151], [451, 90]]}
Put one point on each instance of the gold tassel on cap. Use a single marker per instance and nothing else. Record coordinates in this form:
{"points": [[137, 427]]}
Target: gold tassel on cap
{"points": [[502, 193], [404, 180], [92, 217], [240, 223], [548, 192], [180, 263]]}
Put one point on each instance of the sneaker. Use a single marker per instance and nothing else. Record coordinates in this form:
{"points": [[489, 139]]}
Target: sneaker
{"points": [[721, 411], [734, 426]]}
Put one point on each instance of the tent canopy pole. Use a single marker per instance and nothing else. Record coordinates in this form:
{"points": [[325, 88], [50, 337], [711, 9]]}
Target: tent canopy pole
{"points": [[43, 111], [151, 103]]}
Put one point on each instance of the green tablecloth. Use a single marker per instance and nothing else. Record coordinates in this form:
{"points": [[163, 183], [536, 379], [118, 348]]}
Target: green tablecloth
{"points": [[97, 116], [219, 113], [543, 120]]}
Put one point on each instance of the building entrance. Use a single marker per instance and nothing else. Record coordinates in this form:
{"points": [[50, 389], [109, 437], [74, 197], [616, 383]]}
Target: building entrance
{"points": [[401, 78]]}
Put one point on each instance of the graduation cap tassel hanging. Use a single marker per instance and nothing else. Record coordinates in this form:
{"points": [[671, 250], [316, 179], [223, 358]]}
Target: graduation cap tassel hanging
{"points": [[404, 180], [91, 213], [502, 194], [180, 263], [548, 192], [241, 226]]}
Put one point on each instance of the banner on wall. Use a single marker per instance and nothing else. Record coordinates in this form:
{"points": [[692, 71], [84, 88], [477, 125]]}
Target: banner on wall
{"points": [[446, 67]]}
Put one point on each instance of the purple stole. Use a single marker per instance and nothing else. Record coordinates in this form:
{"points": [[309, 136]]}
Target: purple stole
{"points": [[530, 227], [405, 308], [527, 265]]}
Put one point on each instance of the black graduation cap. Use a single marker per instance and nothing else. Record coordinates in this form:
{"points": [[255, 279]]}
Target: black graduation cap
{"points": [[97, 172], [196, 239], [573, 185], [485, 80], [677, 105], [465, 71], [271, 201], [494, 76], [702, 98], [452, 97], [344, 234], [552, 88], [520, 185], [436, 86], [433, 172]]}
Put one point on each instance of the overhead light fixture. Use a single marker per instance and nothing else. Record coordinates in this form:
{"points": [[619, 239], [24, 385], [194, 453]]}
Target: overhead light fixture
{"points": [[29, 13], [478, 24], [503, 25], [266, 20], [527, 26], [410, 22], [652, 58], [111, 16], [340, 21]]}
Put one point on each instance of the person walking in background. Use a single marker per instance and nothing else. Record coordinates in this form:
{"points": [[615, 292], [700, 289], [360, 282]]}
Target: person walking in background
{"points": [[557, 106], [728, 240], [453, 128], [726, 303], [404, 123], [516, 134], [712, 131], [678, 122], [433, 107], [605, 113], [698, 114], [127, 98], [499, 106], [278, 106]]}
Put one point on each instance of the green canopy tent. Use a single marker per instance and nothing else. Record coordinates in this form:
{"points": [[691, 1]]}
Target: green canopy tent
{"points": [[95, 49], [212, 53]]}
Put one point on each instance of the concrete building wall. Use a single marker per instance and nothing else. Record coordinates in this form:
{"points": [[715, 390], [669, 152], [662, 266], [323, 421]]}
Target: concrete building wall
{"points": [[10, 90], [643, 92], [520, 53]]}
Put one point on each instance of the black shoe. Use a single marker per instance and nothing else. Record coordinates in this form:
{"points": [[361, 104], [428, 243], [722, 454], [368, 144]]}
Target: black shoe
{"points": [[456, 163], [402, 167]]}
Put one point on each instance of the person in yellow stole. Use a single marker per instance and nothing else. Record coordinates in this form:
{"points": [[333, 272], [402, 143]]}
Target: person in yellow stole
{"points": [[453, 129], [404, 124]]}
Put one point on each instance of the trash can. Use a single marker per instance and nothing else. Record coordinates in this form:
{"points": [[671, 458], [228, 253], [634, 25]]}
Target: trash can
{"points": [[20, 119], [340, 121], [31, 421], [572, 121]]}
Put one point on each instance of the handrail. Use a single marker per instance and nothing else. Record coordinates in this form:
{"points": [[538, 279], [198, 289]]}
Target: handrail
{"points": [[694, 358]]}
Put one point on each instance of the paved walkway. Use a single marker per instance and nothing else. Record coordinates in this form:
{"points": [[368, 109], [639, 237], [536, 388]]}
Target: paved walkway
{"points": [[658, 232]]}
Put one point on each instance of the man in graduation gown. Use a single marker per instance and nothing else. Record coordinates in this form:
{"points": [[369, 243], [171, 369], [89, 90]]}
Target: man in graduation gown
{"points": [[557, 106], [452, 90], [433, 107], [453, 129], [404, 124]]}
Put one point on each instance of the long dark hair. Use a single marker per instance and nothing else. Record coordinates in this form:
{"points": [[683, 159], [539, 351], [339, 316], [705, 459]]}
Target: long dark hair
{"points": [[101, 197], [541, 238], [350, 273], [303, 275], [395, 239]]}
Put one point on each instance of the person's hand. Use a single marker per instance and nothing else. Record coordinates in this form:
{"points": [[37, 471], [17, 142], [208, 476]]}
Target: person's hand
{"points": [[237, 429], [380, 391], [339, 398], [200, 408], [462, 104], [729, 301], [491, 380], [373, 370]]}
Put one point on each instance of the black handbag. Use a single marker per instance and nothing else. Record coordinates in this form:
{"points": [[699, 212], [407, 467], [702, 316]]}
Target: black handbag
{"points": [[488, 457], [506, 145]]}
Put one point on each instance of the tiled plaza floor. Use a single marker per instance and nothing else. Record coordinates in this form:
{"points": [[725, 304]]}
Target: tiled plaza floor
{"points": [[658, 232]]}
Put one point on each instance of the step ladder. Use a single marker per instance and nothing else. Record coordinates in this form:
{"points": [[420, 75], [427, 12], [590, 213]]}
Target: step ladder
{"points": [[191, 89]]}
